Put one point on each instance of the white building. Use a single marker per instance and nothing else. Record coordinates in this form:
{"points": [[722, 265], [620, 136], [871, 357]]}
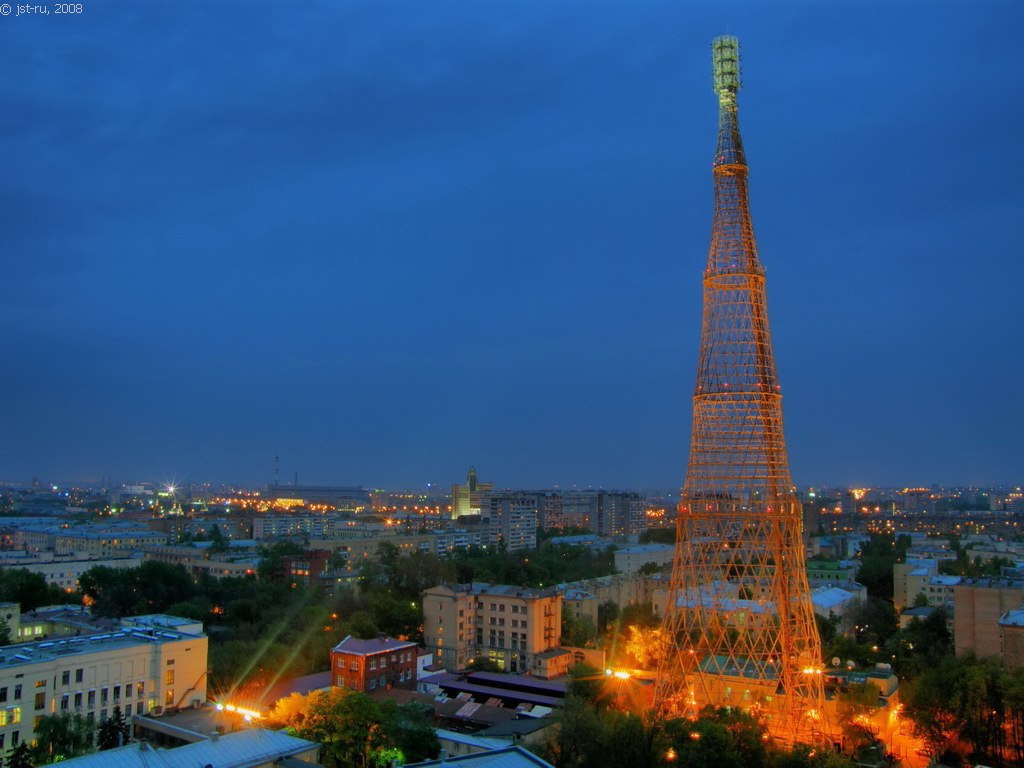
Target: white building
{"points": [[143, 667]]}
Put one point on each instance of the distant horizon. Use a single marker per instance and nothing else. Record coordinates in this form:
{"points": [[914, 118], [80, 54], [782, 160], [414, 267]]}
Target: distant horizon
{"points": [[181, 485]]}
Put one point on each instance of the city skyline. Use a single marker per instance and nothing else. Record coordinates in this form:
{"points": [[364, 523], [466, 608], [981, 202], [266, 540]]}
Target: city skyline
{"points": [[387, 243]]}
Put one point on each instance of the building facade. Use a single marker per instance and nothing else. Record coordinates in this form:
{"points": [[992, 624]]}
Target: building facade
{"points": [[978, 606], [516, 628], [142, 668], [369, 665], [513, 520]]}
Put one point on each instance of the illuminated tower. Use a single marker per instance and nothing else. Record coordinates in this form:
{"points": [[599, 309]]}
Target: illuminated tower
{"points": [[739, 619]]}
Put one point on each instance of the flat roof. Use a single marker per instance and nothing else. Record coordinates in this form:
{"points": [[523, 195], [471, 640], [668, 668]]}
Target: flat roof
{"points": [[40, 651], [381, 644]]}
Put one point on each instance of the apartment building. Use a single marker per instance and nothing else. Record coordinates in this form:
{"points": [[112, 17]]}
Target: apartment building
{"points": [[368, 665], [513, 520], [102, 542], [978, 607], [515, 627], [65, 572], [143, 667]]}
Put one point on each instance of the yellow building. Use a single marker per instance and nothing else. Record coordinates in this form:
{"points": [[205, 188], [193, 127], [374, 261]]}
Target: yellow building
{"points": [[517, 628]]}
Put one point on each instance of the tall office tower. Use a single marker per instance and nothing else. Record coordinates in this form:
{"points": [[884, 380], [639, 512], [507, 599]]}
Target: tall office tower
{"points": [[468, 499], [740, 615]]}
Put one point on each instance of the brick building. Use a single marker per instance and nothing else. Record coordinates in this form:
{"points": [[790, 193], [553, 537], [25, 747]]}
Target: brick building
{"points": [[978, 606], [367, 665]]}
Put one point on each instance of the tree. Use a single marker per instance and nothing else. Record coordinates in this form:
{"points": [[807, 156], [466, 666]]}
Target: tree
{"points": [[646, 646], [113, 732], [20, 756], [417, 739], [5, 632], [855, 707], [576, 631], [29, 590], [353, 729], [60, 737], [607, 614], [930, 706]]}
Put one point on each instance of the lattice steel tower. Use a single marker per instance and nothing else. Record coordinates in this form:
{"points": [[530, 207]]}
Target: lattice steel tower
{"points": [[739, 621]]}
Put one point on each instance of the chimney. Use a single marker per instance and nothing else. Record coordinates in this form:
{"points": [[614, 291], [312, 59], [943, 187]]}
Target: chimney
{"points": [[214, 736], [443, 756]]}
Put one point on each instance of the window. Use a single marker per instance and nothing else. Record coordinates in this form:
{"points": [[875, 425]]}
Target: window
{"points": [[353, 664], [117, 693], [16, 715], [15, 738], [169, 677], [78, 700], [40, 683], [103, 715], [128, 690], [17, 692], [3, 693], [3, 717], [138, 708], [373, 684], [40, 700], [65, 677], [170, 662], [373, 664], [140, 688], [79, 674], [104, 695], [169, 697]]}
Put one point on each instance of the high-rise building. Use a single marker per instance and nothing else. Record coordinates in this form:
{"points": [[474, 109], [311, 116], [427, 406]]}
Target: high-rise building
{"points": [[513, 519], [739, 611], [468, 499]]}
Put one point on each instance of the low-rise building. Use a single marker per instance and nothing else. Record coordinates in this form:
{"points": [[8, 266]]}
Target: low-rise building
{"points": [[631, 559], [142, 667], [252, 748], [368, 665]]}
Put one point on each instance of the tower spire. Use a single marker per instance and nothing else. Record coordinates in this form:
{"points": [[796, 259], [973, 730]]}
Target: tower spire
{"points": [[739, 618]]}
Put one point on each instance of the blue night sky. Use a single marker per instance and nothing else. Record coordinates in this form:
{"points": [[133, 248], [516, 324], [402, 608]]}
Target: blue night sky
{"points": [[385, 241]]}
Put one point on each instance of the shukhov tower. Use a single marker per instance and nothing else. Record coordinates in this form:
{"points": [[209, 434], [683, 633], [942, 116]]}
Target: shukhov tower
{"points": [[739, 623]]}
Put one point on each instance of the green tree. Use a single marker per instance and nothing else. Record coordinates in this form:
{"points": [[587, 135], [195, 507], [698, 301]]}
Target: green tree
{"points": [[931, 707], [20, 757], [60, 737], [29, 590], [576, 632], [353, 729], [5, 632], [113, 732], [607, 615], [415, 733]]}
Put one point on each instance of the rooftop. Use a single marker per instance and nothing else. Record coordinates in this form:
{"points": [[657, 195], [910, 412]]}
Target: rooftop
{"points": [[381, 644], [1012, 619], [48, 650], [238, 750], [509, 757]]}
